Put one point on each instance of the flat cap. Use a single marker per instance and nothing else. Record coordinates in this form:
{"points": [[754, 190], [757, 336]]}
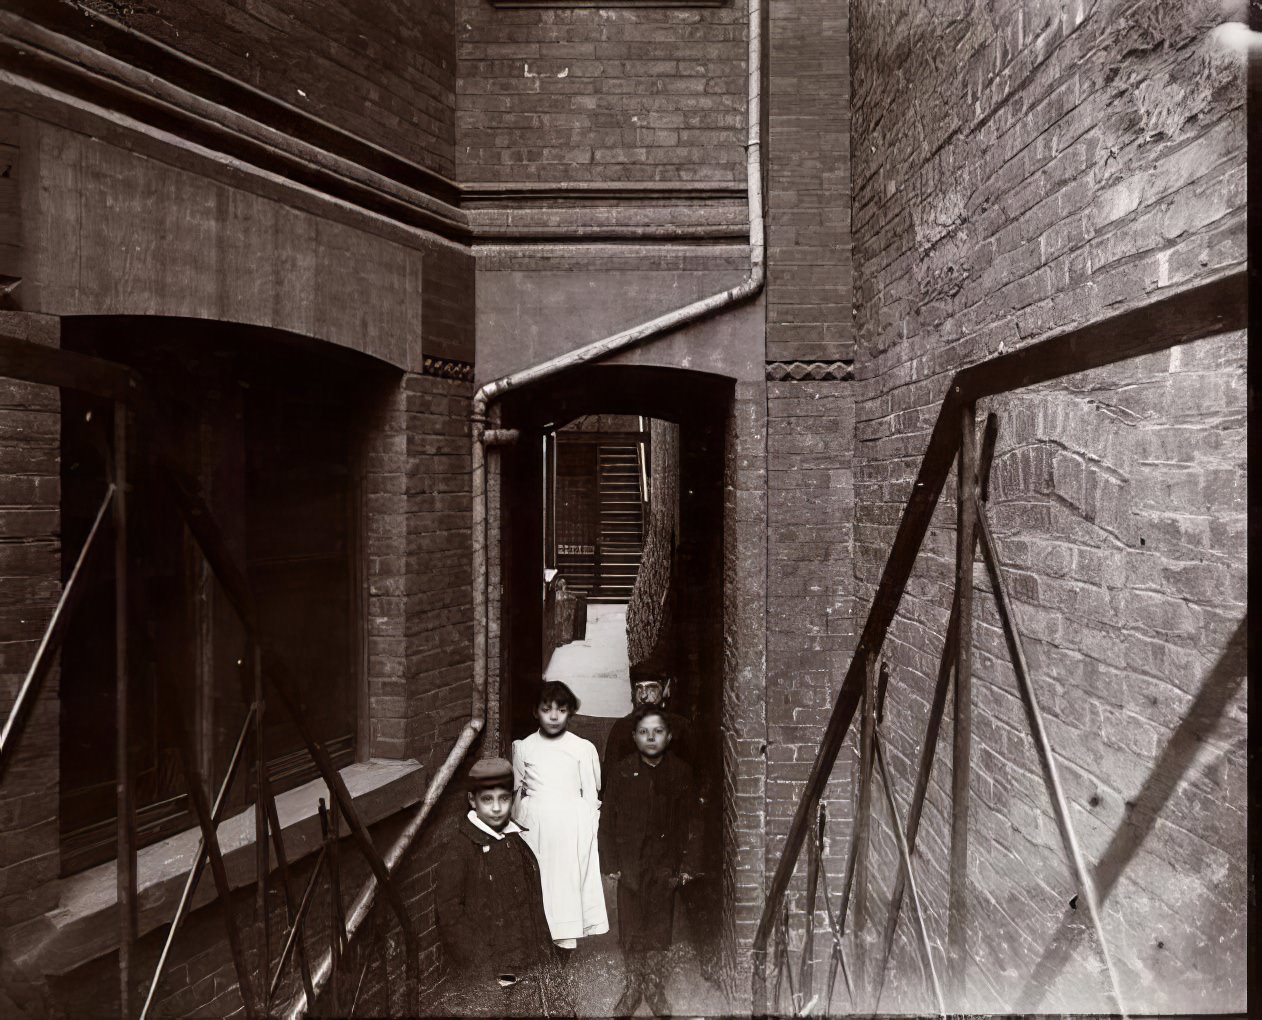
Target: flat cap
{"points": [[491, 772]]}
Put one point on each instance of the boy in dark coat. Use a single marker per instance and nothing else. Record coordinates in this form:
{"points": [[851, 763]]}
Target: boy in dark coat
{"points": [[650, 841], [490, 903]]}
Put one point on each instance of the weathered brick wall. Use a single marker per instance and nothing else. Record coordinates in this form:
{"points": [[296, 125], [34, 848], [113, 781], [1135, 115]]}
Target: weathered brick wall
{"points": [[437, 610], [646, 612], [30, 583], [810, 601], [600, 94], [1020, 170], [744, 716], [381, 69], [807, 147]]}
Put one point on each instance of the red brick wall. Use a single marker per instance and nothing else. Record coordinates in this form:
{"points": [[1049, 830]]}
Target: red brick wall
{"points": [[30, 583], [1018, 171], [381, 69], [807, 146], [600, 94]]}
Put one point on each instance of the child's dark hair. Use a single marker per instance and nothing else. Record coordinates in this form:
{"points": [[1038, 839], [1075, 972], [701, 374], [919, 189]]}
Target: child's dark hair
{"points": [[553, 692], [642, 712]]}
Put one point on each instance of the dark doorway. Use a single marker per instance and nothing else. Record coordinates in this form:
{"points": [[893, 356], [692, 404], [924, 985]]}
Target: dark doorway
{"points": [[691, 644], [269, 428]]}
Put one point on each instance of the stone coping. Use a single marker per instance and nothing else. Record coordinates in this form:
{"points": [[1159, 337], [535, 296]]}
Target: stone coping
{"points": [[84, 924]]}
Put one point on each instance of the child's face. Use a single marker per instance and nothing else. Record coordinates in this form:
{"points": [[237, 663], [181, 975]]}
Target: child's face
{"points": [[652, 736], [492, 806], [553, 718]]}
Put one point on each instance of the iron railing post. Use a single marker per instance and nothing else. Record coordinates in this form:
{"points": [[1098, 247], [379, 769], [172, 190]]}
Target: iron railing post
{"points": [[962, 731], [125, 862]]}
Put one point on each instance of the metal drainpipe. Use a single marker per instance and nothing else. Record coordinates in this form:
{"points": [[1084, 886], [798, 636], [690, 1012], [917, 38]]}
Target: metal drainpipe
{"points": [[482, 437], [600, 349]]}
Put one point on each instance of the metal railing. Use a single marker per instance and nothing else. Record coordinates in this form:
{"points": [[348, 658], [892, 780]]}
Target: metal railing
{"points": [[259, 986], [1194, 314]]}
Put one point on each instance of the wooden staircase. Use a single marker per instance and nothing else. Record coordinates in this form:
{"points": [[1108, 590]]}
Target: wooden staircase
{"points": [[621, 542], [601, 527]]}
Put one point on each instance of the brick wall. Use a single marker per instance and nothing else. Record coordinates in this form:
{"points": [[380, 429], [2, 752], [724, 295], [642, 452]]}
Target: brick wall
{"points": [[607, 94], [647, 611], [381, 69], [30, 583], [810, 604], [1019, 171], [438, 610], [807, 145], [744, 712]]}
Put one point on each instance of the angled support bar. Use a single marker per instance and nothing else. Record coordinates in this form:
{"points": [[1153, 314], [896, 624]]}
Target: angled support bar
{"points": [[937, 709], [50, 643], [1044, 747], [210, 840], [199, 865], [300, 918], [291, 907], [904, 854]]}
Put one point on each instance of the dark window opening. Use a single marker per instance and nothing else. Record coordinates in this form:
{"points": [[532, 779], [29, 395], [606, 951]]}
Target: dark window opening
{"points": [[272, 433]]}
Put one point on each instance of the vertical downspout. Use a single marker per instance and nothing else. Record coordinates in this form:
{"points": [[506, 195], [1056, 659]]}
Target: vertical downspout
{"points": [[482, 437]]}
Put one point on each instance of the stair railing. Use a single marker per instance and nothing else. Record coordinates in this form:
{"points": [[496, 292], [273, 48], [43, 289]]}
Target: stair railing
{"points": [[25, 361], [1194, 314]]}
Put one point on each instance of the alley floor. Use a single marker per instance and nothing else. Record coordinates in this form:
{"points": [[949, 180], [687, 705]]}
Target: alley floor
{"points": [[596, 974], [597, 671]]}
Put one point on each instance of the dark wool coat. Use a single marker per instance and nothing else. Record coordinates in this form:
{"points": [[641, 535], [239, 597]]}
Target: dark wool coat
{"points": [[490, 903], [621, 742], [650, 831]]}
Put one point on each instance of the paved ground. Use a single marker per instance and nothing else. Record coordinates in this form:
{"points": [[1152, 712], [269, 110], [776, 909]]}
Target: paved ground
{"points": [[596, 972], [596, 668]]}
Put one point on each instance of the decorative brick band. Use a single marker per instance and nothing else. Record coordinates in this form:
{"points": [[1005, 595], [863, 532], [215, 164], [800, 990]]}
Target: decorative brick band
{"points": [[444, 368], [815, 371]]}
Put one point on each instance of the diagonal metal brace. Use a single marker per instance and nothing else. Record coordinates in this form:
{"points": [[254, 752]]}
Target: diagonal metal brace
{"points": [[205, 530], [1042, 744]]}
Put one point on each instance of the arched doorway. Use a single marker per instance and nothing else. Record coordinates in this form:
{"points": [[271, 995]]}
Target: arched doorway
{"points": [[699, 405]]}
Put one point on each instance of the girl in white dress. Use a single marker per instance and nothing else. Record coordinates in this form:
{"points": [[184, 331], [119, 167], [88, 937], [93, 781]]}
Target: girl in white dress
{"points": [[557, 776]]}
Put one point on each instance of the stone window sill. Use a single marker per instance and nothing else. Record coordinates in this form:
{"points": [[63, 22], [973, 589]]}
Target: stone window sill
{"points": [[84, 924]]}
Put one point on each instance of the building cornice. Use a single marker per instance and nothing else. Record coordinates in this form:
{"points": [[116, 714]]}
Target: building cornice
{"points": [[97, 61]]}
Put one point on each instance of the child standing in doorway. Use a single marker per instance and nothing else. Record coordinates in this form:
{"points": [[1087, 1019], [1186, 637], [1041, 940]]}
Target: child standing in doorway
{"points": [[557, 778]]}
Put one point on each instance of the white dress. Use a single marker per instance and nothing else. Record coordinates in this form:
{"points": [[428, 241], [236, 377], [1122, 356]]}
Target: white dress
{"points": [[557, 779]]}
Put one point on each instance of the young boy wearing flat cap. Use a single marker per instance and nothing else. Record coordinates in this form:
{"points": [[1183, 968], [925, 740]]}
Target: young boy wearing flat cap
{"points": [[489, 899]]}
